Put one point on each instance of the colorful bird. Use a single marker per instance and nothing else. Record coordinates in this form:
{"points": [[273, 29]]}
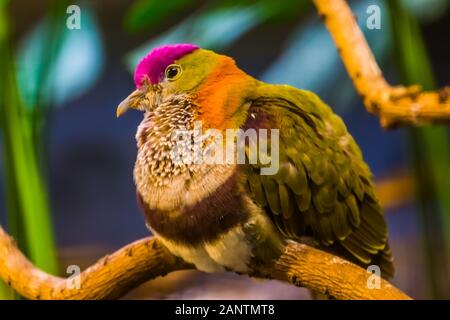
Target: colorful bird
{"points": [[229, 216]]}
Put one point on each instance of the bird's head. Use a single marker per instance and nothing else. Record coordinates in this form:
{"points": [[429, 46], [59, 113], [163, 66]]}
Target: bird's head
{"points": [[172, 77]]}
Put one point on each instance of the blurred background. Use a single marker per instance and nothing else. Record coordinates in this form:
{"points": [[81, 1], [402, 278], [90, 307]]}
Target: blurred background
{"points": [[66, 186]]}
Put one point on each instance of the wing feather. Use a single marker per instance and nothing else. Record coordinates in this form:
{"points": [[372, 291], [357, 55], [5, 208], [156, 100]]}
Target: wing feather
{"points": [[323, 184]]}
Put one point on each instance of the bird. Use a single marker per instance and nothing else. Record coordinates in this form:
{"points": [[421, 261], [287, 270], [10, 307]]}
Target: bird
{"points": [[228, 216]]}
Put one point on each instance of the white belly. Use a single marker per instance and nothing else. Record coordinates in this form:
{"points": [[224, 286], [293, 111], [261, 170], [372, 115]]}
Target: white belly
{"points": [[231, 251]]}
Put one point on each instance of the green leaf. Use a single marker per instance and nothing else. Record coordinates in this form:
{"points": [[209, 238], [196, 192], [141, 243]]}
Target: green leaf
{"points": [[144, 14], [26, 196], [75, 64], [214, 29], [220, 23]]}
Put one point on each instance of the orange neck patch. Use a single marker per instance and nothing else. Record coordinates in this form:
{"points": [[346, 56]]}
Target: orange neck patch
{"points": [[222, 93]]}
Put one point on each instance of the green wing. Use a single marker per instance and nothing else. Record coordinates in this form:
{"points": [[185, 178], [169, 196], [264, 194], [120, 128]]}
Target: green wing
{"points": [[323, 187]]}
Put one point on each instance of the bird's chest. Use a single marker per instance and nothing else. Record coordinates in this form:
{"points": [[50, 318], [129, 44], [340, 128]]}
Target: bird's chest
{"points": [[196, 210], [195, 215], [207, 227]]}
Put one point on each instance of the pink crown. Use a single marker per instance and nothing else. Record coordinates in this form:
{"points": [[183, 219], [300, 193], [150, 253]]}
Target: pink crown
{"points": [[154, 64]]}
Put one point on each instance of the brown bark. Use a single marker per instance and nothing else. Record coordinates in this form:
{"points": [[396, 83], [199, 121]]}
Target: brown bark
{"points": [[114, 275], [395, 105], [111, 277], [324, 273]]}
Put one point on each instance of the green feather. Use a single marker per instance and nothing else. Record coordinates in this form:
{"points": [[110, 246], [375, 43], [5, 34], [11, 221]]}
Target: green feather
{"points": [[303, 200], [340, 224], [354, 211], [287, 207], [322, 184], [271, 192], [256, 189]]}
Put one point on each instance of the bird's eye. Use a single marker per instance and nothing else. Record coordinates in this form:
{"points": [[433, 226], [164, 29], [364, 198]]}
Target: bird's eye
{"points": [[173, 72]]}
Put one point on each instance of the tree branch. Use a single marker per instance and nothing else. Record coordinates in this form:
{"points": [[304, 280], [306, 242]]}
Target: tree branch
{"points": [[110, 278], [322, 272], [114, 275], [395, 105]]}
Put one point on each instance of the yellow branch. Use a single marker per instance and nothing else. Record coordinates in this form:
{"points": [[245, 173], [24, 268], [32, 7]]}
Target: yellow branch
{"points": [[395, 105], [116, 274], [111, 277]]}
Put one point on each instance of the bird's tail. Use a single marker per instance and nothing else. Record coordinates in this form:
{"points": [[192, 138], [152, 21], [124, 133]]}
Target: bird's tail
{"points": [[385, 261]]}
